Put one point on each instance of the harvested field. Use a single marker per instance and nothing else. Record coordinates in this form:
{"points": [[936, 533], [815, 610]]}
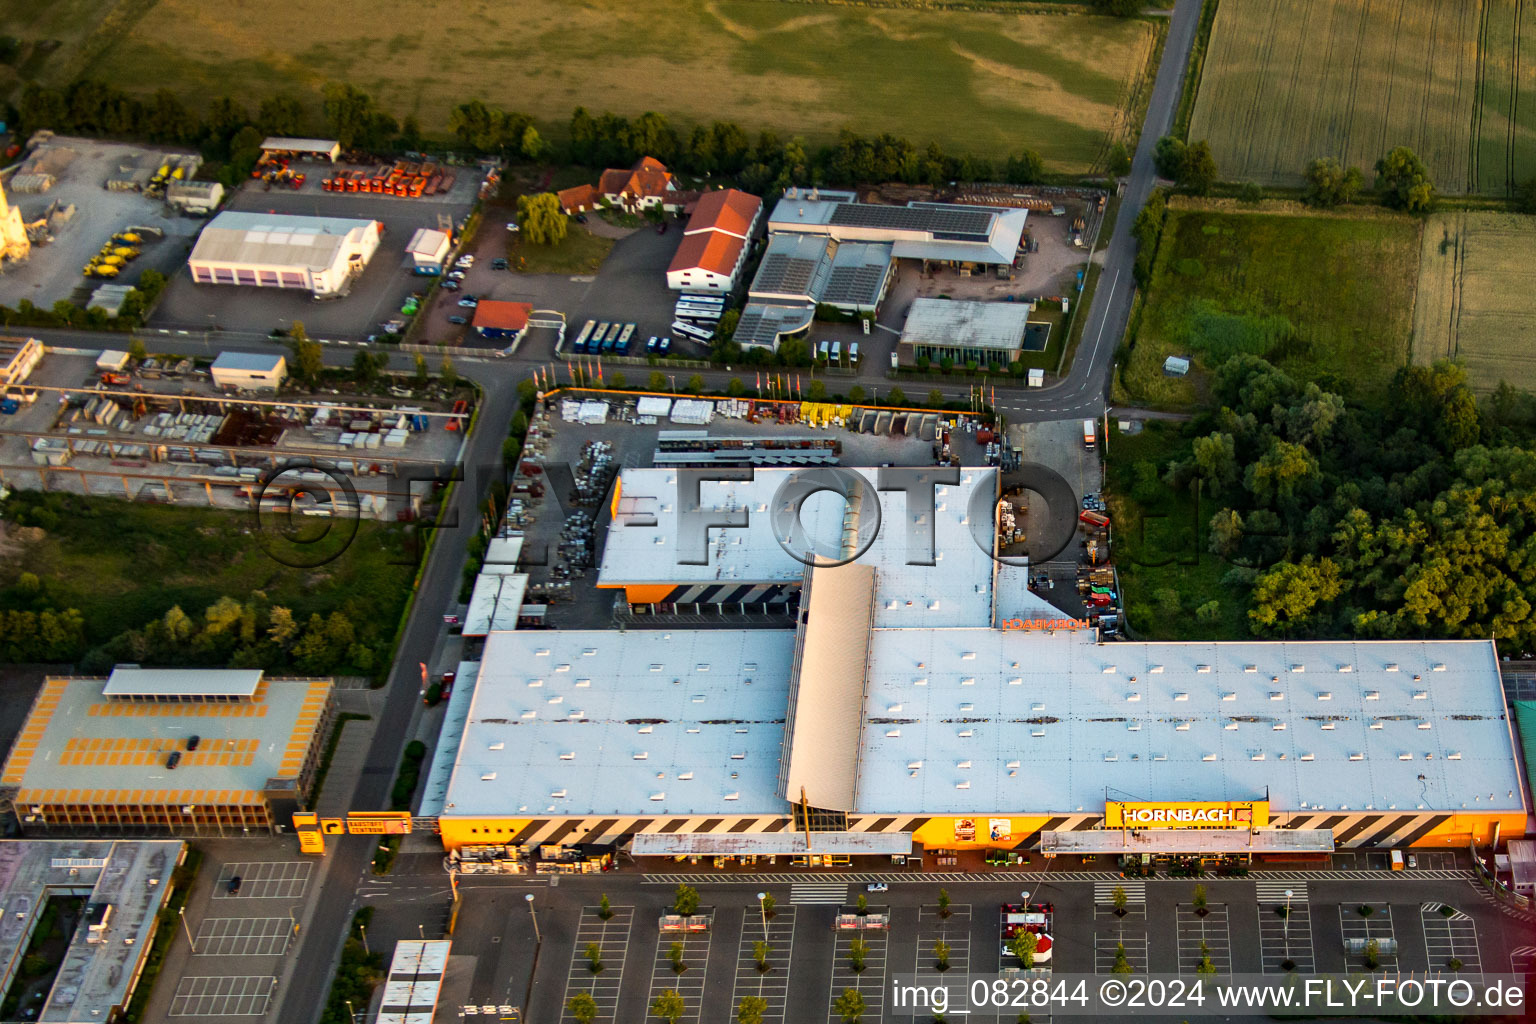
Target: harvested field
{"points": [[1477, 297], [1289, 80], [1325, 298], [974, 81]]}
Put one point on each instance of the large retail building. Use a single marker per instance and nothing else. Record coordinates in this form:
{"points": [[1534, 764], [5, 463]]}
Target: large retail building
{"points": [[323, 255], [927, 698]]}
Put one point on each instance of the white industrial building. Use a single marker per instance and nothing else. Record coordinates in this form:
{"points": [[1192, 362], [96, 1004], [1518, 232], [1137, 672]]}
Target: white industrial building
{"points": [[195, 196], [249, 371], [282, 148], [428, 247], [18, 357], [274, 250]]}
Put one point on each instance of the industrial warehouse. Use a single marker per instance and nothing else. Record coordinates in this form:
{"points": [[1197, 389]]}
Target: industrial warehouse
{"points": [[928, 700], [268, 250], [166, 751]]}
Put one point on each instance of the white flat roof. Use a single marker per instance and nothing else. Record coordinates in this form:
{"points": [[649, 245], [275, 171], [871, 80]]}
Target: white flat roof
{"points": [[956, 324], [503, 550], [276, 240], [182, 682], [956, 590], [255, 362], [768, 844], [607, 722], [496, 600], [1037, 722]]}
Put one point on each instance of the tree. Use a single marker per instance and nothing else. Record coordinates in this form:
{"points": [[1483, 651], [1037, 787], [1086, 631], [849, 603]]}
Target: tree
{"points": [[280, 115], [1330, 183], [768, 904], [1200, 901], [943, 902], [1023, 945], [751, 1009], [1118, 8], [136, 350], [1251, 192], [308, 358], [685, 900], [760, 955], [941, 955], [1118, 163], [861, 904], [1525, 195], [1198, 172], [669, 1006], [541, 220], [1024, 168], [594, 955], [604, 909], [447, 374], [422, 374], [857, 394], [896, 397], [849, 1006], [695, 384], [1122, 965], [725, 330], [735, 388], [658, 381], [1372, 955], [935, 398], [1119, 900], [858, 949], [1403, 181], [365, 369], [582, 1007], [1168, 157], [675, 955]]}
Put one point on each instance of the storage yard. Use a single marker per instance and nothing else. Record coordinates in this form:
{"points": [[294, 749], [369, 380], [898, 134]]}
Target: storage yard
{"points": [[165, 434], [104, 204]]}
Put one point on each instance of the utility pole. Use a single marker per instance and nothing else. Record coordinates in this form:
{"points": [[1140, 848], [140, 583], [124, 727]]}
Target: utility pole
{"points": [[182, 913]]}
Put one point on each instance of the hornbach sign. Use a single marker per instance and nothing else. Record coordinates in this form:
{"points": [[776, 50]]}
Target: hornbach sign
{"points": [[1046, 624], [1187, 814]]}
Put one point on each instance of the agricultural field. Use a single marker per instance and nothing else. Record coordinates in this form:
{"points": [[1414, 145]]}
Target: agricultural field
{"points": [[1477, 297], [979, 82], [1324, 297], [1286, 81]]}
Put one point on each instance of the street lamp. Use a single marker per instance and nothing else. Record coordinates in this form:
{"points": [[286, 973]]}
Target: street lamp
{"points": [[762, 908], [1287, 931], [364, 929], [182, 912], [537, 938]]}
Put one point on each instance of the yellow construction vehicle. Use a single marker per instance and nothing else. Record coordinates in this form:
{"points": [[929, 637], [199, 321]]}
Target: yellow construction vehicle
{"points": [[127, 238], [127, 252]]}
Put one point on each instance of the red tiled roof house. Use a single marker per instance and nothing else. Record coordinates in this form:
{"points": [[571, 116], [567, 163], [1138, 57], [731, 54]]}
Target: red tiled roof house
{"points": [[715, 242]]}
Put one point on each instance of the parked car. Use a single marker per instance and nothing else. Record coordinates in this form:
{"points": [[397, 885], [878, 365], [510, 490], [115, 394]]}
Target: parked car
{"points": [[499, 263], [581, 218], [512, 226], [450, 286], [193, 741], [878, 887], [466, 261], [234, 885], [457, 320], [468, 302], [455, 275]]}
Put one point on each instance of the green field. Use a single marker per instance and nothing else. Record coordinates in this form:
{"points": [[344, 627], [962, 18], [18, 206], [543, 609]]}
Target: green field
{"points": [[1477, 297], [124, 563], [982, 82], [1326, 298], [1286, 81]]}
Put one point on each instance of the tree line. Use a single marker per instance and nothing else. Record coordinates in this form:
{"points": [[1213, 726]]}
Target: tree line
{"points": [[229, 135]]}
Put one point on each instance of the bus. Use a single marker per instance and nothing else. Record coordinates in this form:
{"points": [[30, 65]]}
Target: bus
{"points": [[701, 304], [621, 346], [694, 313], [595, 343], [702, 300], [580, 344], [694, 331]]}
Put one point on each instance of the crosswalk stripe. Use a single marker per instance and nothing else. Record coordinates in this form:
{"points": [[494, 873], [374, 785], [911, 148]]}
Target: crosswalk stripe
{"points": [[1135, 892], [1274, 892], [829, 893]]}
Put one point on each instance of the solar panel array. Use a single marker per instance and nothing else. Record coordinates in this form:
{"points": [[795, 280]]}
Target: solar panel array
{"points": [[952, 222], [854, 285], [784, 275]]}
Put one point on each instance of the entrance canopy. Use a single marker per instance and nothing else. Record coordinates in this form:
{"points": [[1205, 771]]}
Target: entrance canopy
{"points": [[1189, 841], [770, 844]]}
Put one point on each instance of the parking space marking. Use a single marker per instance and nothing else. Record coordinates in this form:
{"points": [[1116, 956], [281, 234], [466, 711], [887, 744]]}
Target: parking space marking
{"points": [[772, 985], [1377, 926], [1109, 929], [1520, 959], [272, 879], [612, 938], [1135, 892], [1448, 938], [220, 996], [1286, 938], [869, 982], [690, 983], [955, 930], [1211, 930], [244, 936]]}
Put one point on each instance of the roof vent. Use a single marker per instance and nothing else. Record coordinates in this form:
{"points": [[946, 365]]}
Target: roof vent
{"points": [[641, 755], [1011, 764], [535, 682], [1279, 727], [1329, 726], [1202, 669], [1229, 695], [1159, 757], [966, 734], [1324, 695], [655, 668], [542, 652], [1454, 755], [1208, 757], [893, 709], [658, 796], [963, 785], [1111, 757], [1405, 757], [1133, 697], [1423, 725], [1250, 668], [488, 777], [963, 764], [914, 765], [1038, 705], [498, 745], [583, 683], [920, 681], [1109, 670], [568, 755], [1420, 694], [1156, 670], [1231, 727], [892, 733], [530, 714], [646, 730], [1306, 757], [685, 777], [1298, 668], [1133, 727], [1346, 668], [740, 756], [968, 656], [1016, 681], [1357, 757], [1438, 666], [704, 667], [1181, 727], [1255, 755], [968, 681], [733, 796], [1391, 666], [1377, 724], [1276, 695], [1373, 695], [1181, 696], [1037, 732]]}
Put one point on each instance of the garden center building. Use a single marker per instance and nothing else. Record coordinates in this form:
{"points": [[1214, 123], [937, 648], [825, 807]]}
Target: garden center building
{"points": [[928, 699]]}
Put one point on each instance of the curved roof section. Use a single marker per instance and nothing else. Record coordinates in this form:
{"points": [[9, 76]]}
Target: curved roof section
{"points": [[821, 749]]}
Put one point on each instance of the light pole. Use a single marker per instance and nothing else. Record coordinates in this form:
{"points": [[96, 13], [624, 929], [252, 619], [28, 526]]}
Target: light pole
{"points": [[421, 932], [351, 1013], [762, 908], [293, 920], [182, 913], [364, 929], [1287, 931], [537, 938]]}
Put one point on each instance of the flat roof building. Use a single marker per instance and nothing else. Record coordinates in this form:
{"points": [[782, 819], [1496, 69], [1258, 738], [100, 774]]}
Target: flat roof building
{"points": [[166, 752], [800, 272], [414, 982], [930, 697], [273, 250], [125, 884], [18, 358], [984, 332], [934, 232], [249, 371], [428, 247], [280, 147], [195, 196]]}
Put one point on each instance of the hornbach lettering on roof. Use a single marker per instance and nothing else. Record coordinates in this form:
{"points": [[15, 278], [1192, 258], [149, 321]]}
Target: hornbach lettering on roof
{"points": [[1045, 624], [1226, 814]]}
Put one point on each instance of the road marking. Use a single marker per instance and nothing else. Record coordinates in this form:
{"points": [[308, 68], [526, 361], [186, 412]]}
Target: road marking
{"points": [[870, 982], [1212, 930], [244, 936], [1275, 892], [612, 939], [826, 893], [1286, 938], [773, 985], [222, 996], [1135, 891], [1450, 938]]}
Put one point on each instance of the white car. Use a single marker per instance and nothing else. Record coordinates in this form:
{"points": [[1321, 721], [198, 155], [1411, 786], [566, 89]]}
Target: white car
{"points": [[877, 887], [468, 303], [512, 225], [464, 262]]}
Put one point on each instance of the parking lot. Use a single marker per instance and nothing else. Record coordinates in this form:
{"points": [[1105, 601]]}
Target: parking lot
{"points": [[223, 996], [375, 297], [810, 963], [264, 880]]}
